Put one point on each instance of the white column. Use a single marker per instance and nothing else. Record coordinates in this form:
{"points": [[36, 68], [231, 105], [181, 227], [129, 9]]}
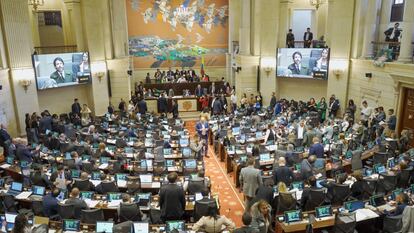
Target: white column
{"points": [[75, 18], [370, 28], [245, 28], [283, 22], [406, 48]]}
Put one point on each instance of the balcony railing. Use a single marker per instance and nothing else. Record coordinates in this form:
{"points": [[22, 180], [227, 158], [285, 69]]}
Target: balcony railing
{"points": [[314, 44], [56, 49], [390, 48]]}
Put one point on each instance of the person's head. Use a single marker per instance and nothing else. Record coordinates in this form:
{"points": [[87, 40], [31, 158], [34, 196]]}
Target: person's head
{"points": [[403, 165], [351, 102], [390, 111], [281, 161], [20, 224], [358, 175], [381, 109], [60, 169], [365, 104], [202, 119], [396, 25], [55, 192], [323, 99], [59, 64], [126, 198], [281, 186], [102, 146], [251, 161], [85, 57], [312, 181], [341, 178], [290, 147], [74, 155], [172, 177], [76, 100], [402, 198], [263, 207], [315, 140], [201, 173], [312, 100], [308, 29], [325, 53], [212, 210], [74, 193], [84, 176], [312, 159], [247, 217], [290, 30], [297, 57]]}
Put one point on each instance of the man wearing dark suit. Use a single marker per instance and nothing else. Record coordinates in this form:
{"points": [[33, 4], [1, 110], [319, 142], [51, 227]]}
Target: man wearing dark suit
{"points": [[76, 108], [38, 178], [308, 137], [172, 199], [306, 192], [61, 178], [79, 204], [45, 123], [282, 173], [250, 179], [317, 148], [162, 104], [307, 38], [5, 139], [296, 67], [61, 75], [216, 106], [273, 101], [88, 187], [212, 90], [24, 154], [198, 91], [307, 167], [142, 107], [174, 109], [393, 34], [50, 203], [290, 39]]}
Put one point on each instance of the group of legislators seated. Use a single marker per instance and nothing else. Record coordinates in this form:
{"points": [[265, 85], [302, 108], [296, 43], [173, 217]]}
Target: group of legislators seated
{"points": [[296, 170], [176, 76]]}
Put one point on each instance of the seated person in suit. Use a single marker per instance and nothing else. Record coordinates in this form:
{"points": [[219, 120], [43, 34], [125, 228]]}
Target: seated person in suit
{"points": [[246, 228], [401, 201], [329, 185], [77, 202], [129, 211], [61, 75], [60, 178], [50, 203], [100, 187], [88, 187], [296, 68], [282, 173], [39, 178], [305, 194], [194, 187], [307, 167], [358, 188]]}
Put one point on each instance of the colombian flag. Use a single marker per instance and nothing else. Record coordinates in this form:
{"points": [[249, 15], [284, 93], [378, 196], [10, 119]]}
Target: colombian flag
{"points": [[202, 66]]}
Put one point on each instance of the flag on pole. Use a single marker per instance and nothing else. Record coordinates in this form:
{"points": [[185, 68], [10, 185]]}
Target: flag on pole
{"points": [[202, 66]]}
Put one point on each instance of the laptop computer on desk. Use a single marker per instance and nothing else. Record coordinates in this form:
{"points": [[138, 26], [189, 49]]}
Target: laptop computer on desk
{"points": [[71, 225], [37, 192], [15, 189]]}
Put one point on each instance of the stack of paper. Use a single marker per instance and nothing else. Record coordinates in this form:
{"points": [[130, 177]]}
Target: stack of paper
{"points": [[114, 203], [364, 214], [24, 195], [91, 203]]}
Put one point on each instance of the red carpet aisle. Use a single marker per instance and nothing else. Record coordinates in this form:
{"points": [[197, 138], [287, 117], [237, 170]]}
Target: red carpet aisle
{"points": [[231, 200]]}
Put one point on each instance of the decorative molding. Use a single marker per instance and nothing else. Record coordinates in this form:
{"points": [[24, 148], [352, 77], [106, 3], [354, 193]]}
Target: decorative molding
{"points": [[370, 94]]}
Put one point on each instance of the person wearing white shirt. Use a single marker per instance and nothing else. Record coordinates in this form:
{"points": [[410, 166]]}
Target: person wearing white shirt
{"points": [[301, 130], [233, 99], [366, 112]]}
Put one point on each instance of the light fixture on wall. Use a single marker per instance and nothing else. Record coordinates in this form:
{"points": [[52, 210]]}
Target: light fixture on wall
{"points": [[25, 84], [337, 72], [36, 4], [316, 3], [100, 75], [268, 70]]}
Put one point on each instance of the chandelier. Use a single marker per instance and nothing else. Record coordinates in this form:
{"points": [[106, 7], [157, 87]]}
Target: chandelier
{"points": [[36, 3], [316, 3]]}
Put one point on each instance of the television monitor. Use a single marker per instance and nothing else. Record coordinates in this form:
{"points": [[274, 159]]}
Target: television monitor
{"points": [[95, 176], [323, 211], [24, 164], [16, 186], [297, 185], [354, 205], [298, 166], [9, 160], [186, 151], [60, 70], [318, 183], [71, 225], [235, 130], [86, 195], [38, 190], [311, 63], [145, 178], [390, 163], [143, 199], [184, 142], [75, 173], [169, 163], [140, 227], [173, 226], [293, 216], [167, 151], [377, 200], [104, 227], [114, 196], [190, 163], [379, 168], [104, 160], [264, 157], [120, 176], [367, 172]]}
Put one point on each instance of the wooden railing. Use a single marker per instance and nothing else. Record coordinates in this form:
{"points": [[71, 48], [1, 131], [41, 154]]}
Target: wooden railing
{"points": [[56, 49], [391, 46], [314, 44]]}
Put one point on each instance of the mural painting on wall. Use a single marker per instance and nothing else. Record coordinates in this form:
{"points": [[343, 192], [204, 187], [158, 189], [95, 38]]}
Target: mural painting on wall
{"points": [[177, 33]]}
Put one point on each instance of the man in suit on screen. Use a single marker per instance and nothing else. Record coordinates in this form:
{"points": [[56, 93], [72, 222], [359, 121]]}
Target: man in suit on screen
{"points": [[61, 75]]}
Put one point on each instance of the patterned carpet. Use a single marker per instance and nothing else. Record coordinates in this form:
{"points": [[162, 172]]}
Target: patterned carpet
{"points": [[231, 200]]}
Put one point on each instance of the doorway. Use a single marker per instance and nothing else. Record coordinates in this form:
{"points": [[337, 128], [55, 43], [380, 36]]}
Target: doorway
{"points": [[302, 19], [407, 114]]}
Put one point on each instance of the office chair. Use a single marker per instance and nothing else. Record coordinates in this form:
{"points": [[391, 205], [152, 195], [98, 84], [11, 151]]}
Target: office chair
{"points": [[195, 186], [356, 162], [9, 203], [268, 181], [129, 212], [133, 185], [87, 167], [159, 168], [286, 201], [386, 183], [319, 166], [37, 208], [91, 216], [340, 193], [404, 177], [316, 198], [392, 224], [69, 163], [371, 186], [109, 187], [345, 223], [380, 157], [82, 185], [124, 227], [201, 208], [66, 211]]}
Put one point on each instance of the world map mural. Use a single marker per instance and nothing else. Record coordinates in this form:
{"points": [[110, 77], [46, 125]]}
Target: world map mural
{"points": [[177, 33]]}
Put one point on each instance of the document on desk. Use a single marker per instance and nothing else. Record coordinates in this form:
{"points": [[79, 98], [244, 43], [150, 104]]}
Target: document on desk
{"points": [[114, 203], [91, 203], [365, 214], [122, 183], [129, 155], [95, 182], [24, 195], [103, 166], [271, 147], [111, 141], [6, 165]]}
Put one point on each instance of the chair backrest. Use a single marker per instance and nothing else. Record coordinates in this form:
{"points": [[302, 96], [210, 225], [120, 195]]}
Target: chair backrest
{"points": [[316, 198], [91, 216], [344, 223], [37, 208], [380, 157], [386, 183], [133, 184], [404, 178], [82, 185], [87, 167], [371, 186], [340, 193], [392, 224], [124, 227], [129, 212], [66, 211], [286, 201], [356, 162], [69, 163], [195, 186], [9, 203], [201, 208], [109, 187]]}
